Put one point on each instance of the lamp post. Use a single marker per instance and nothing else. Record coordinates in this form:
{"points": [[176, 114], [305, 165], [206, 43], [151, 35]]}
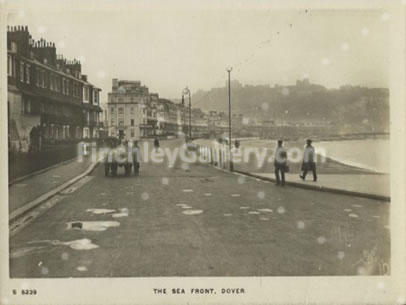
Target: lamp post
{"points": [[187, 91], [229, 118]]}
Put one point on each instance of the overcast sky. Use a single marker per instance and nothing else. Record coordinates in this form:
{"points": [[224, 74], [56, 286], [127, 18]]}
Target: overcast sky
{"points": [[169, 49]]}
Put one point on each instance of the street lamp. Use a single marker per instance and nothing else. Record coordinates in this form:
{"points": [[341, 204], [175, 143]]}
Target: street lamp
{"points": [[229, 118], [187, 91]]}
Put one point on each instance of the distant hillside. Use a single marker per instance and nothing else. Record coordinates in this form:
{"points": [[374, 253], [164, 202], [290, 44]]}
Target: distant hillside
{"points": [[363, 109]]}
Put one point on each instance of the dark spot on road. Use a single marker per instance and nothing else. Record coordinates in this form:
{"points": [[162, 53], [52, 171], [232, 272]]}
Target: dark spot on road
{"points": [[78, 225]]}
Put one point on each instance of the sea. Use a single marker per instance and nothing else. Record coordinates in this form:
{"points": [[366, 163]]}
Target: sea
{"points": [[370, 154]]}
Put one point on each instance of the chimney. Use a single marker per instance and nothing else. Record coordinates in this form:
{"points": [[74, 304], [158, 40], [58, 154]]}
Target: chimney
{"points": [[115, 84]]}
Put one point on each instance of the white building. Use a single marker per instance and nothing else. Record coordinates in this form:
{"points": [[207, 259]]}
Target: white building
{"points": [[127, 114]]}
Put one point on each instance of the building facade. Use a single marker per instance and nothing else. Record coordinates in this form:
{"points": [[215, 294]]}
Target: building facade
{"points": [[49, 100], [128, 116]]}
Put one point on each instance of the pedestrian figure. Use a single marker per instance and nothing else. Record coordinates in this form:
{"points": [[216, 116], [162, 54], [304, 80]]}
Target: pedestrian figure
{"points": [[136, 157], [237, 143], [309, 161], [156, 143], [280, 163]]}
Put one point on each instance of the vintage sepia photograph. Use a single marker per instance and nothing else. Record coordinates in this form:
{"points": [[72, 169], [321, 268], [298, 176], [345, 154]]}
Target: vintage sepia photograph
{"points": [[197, 142]]}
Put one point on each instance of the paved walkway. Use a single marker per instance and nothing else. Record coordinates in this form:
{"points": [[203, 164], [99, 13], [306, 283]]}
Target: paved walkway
{"points": [[369, 184], [197, 221], [33, 187]]}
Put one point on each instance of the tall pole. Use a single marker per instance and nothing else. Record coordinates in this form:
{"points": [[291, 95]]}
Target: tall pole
{"points": [[229, 118], [190, 118], [187, 91]]}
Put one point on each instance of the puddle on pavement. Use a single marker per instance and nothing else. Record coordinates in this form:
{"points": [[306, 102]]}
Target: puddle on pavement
{"points": [[207, 194], [122, 213], [186, 207], [187, 191], [244, 208], [81, 268], [102, 194], [353, 215], [375, 216], [265, 210], [235, 195], [264, 218], [347, 210], [254, 213], [92, 225], [192, 212], [56, 176], [100, 211], [228, 215], [79, 244], [357, 206]]}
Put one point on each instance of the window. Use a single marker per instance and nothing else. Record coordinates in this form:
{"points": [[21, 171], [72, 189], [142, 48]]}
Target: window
{"points": [[132, 122], [13, 46], [55, 79], [95, 97], [27, 74], [22, 71], [121, 110], [121, 122], [120, 99], [112, 110], [68, 88], [132, 133], [42, 77], [132, 110], [51, 83], [9, 65], [58, 84], [112, 121], [14, 67], [37, 77], [45, 79], [86, 94]]}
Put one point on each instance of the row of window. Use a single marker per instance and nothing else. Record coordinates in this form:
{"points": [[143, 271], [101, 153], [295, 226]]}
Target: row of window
{"points": [[53, 81], [122, 100], [120, 110], [121, 122]]}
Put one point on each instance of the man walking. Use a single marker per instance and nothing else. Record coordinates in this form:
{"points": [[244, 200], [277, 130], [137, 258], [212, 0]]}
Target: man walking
{"points": [[280, 163], [309, 163]]}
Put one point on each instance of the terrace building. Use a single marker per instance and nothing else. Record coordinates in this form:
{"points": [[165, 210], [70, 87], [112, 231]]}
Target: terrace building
{"points": [[49, 100]]}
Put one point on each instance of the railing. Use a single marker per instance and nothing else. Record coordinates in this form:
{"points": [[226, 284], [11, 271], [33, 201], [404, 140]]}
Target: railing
{"points": [[215, 156]]}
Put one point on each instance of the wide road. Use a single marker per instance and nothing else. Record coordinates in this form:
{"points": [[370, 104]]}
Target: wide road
{"points": [[200, 221]]}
